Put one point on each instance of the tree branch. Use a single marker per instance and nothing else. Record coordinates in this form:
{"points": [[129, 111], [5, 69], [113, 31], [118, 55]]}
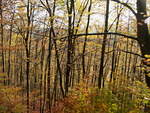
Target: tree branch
{"points": [[129, 52], [108, 33], [126, 5]]}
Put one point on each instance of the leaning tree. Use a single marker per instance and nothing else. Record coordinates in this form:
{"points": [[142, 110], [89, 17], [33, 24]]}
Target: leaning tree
{"points": [[143, 36]]}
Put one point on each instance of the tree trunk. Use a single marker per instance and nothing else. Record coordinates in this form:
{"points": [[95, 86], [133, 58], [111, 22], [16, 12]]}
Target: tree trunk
{"points": [[101, 70], [144, 40], [2, 37], [143, 33]]}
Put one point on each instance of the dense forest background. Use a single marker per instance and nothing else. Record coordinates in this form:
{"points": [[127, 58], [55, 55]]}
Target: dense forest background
{"points": [[74, 56]]}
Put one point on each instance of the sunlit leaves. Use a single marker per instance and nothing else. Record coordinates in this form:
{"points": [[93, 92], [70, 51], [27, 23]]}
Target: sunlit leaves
{"points": [[147, 56]]}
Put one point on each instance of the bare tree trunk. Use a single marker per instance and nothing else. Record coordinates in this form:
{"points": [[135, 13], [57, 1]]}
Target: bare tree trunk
{"points": [[9, 53], [101, 69], [27, 47], [2, 37], [85, 41], [70, 5]]}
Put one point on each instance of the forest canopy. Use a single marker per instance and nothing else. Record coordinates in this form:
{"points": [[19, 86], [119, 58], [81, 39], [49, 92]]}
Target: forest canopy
{"points": [[74, 56]]}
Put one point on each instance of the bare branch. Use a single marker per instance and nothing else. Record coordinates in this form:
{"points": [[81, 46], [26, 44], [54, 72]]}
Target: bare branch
{"points": [[108, 33], [126, 5], [129, 52]]}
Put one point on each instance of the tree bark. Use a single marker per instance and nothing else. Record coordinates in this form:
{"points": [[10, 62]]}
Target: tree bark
{"points": [[101, 70]]}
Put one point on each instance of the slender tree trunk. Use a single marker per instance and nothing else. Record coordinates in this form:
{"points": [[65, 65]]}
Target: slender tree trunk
{"points": [[70, 5], [2, 37], [9, 53], [27, 47], [85, 41], [101, 69]]}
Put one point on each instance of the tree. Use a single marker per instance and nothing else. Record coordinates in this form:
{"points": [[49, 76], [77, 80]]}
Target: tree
{"points": [[101, 70], [142, 29], [2, 35], [49, 48]]}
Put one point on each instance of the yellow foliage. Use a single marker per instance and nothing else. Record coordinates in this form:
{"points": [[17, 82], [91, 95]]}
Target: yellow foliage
{"points": [[11, 100], [147, 56]]}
